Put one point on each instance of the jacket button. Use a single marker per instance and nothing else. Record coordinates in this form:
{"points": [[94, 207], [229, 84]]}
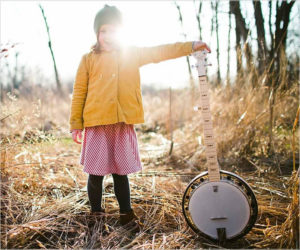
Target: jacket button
{"points": [[113, 75], [100, 77]]}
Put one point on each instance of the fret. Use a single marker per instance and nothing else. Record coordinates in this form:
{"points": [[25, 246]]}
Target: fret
{"points": [[207, 126], [207, 121], [204, 91], [209, 141], [206, 115], [203, 87], [211, 148], [208, 132], [208, 154], [214, 178], [205, 102], [208, 136], [211, 158], [203, 82], [214, 171], [204, 95], [213, 166]]}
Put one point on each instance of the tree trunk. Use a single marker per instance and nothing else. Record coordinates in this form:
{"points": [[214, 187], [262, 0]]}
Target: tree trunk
{"points": [[58, 84], [261, 41], [239, 69], [242, 31], [170, 121], [281, 28], [181, 22], [15, 82], [271, 52], [282, 22], [228, 50], [198, 13], [218, 44], [1, 91]]}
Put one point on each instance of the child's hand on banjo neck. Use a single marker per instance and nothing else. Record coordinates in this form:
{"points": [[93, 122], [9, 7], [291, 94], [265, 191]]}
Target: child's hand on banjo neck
{"points": [[199, 45]]}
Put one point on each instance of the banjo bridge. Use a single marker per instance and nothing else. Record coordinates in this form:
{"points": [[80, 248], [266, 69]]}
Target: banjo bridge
{"points": [[219, 218]]}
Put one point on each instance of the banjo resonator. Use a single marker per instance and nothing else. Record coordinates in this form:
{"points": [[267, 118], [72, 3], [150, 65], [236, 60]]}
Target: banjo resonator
{"points": [[217, 204]]}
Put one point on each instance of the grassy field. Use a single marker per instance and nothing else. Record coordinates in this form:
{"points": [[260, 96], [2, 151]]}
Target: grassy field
{"points": [[43, 188]]}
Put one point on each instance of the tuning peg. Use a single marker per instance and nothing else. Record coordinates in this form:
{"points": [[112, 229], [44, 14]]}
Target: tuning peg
{"points": [[208, 64]]}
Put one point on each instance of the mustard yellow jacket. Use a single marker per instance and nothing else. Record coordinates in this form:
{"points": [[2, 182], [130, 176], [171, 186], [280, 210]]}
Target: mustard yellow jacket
{"points": [[107, 85]]}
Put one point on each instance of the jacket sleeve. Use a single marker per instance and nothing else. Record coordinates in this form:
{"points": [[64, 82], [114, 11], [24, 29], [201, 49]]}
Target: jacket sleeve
{"points": [[163, 52], [79, 95]]}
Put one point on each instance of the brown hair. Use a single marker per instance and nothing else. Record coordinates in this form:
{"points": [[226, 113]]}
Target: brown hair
{"points": [[96, 47]]}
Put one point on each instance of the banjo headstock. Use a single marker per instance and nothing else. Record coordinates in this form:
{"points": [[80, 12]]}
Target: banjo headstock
{"points": [[201, 65]]}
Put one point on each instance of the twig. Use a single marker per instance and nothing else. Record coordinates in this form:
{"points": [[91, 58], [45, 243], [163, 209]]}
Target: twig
{"points": [[74, 179], [1, 119], [293, 139]]}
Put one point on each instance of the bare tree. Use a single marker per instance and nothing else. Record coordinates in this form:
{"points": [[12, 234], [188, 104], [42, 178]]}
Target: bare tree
{"points": [[241, 32], [58, 84], [15, 82], [271, 52], [261, 41], [192, 83], [237, 43], [170, 121], [184, 34], [215, 7], [198, 13], [228, 49], [281, 29], [277, 53]]}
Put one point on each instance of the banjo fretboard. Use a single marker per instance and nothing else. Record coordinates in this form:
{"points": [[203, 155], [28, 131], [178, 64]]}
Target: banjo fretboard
{"points": [[209, 141]]}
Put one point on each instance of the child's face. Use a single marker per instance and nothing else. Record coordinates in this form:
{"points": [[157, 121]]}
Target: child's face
{"points": [[108, 36]]}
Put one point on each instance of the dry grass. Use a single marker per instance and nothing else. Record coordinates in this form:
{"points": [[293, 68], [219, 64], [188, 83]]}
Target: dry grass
{"points": [[44, 201]]}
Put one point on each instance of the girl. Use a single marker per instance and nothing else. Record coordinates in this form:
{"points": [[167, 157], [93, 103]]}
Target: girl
{"points": [[107, 102]]}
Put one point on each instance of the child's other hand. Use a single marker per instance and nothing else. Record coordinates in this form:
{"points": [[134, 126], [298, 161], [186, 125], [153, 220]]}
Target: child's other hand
{"points": [[199, 45], [75, 133]]}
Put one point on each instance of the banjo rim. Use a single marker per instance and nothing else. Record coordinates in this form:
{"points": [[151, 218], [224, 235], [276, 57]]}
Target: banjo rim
{"points": [[253, 207]]}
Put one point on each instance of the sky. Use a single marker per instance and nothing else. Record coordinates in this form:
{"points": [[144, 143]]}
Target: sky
{"points": [[146, 23]]}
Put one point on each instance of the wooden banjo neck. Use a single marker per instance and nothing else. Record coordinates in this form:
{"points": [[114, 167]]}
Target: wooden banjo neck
{"points": [[209, 140]]}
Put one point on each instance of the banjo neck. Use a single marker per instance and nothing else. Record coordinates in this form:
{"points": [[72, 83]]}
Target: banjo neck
{"points": [[209, 140]]}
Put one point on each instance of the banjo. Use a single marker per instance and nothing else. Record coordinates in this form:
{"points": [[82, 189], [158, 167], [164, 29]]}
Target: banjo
{"points": [[217, 204]]}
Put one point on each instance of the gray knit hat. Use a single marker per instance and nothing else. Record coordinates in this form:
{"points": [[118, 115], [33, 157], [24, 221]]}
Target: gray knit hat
{"points": [[107, 15]]}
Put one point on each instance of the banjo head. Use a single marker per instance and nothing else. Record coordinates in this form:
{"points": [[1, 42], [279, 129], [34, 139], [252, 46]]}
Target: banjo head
{"points": [[228, 204]]}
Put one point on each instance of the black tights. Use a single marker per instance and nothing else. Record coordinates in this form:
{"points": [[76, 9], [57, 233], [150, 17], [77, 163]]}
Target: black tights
{"points": [[121, 188]]}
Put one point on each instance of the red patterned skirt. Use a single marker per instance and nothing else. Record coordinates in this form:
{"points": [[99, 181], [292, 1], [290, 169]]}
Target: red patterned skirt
{"points": [[110, 149]]}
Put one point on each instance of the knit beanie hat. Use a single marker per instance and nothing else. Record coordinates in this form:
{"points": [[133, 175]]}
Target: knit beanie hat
{"points": [[107, 15]]}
